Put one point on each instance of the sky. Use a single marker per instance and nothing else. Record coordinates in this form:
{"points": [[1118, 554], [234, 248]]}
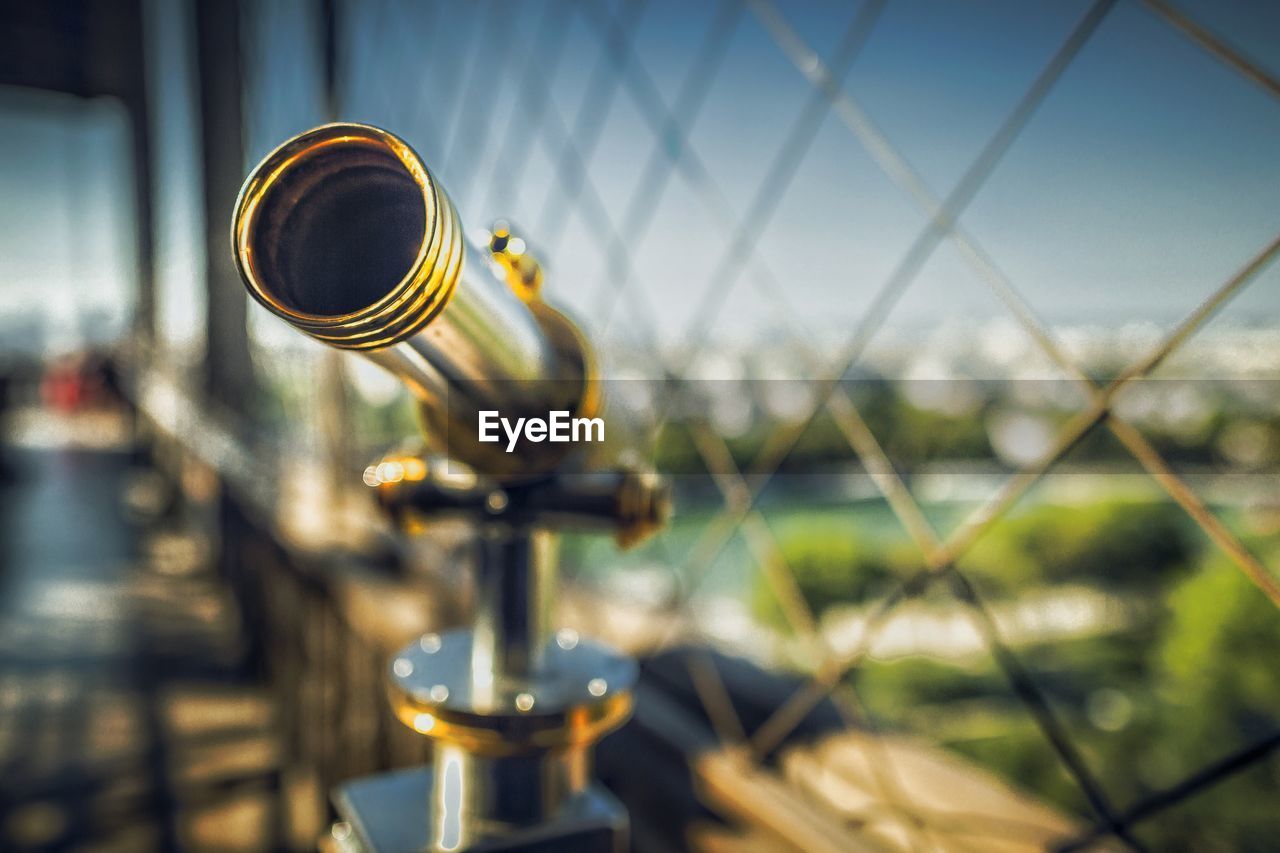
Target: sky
{"points": [[1146, 177]]}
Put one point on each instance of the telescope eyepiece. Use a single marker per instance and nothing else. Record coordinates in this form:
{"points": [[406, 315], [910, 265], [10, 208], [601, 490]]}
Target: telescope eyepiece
{"points": [[338, 230]]}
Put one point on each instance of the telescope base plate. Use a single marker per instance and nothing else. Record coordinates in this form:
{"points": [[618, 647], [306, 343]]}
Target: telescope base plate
{"points": [[391, 813]]}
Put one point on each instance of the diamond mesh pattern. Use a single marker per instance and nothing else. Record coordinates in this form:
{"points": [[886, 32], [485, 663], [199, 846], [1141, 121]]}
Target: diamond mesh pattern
{"points": [[513, 129]]}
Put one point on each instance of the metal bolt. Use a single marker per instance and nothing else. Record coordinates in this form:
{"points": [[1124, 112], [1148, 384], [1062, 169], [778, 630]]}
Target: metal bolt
{"points": [[567, 638]]}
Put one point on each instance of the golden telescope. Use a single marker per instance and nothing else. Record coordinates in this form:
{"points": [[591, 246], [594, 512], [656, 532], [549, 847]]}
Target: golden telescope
{"points": [[343, 233]]}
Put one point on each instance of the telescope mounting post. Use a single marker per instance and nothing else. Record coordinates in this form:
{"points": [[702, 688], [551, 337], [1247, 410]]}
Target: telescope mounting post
{"points": [[514, 708]]}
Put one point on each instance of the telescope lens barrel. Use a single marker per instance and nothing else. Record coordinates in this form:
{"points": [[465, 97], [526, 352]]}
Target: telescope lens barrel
{"points": [[343, 233]]}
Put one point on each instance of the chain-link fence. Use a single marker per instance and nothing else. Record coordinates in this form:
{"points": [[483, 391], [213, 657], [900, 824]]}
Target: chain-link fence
{"points": [[695, 177]]}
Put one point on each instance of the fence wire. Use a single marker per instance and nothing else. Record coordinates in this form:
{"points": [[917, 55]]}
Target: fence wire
{"points": [[484, 88]]}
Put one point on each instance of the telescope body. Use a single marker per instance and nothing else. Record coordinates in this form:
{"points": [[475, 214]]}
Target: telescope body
{"points": [[343, 233]]}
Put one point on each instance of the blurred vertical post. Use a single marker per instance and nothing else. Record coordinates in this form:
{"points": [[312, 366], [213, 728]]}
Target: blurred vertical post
{"points": [[228, 372], [128, 20], [334, 410], [228, 369]]}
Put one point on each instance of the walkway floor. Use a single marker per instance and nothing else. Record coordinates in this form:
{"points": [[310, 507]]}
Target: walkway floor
{"points": [[125, 720]]}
